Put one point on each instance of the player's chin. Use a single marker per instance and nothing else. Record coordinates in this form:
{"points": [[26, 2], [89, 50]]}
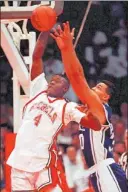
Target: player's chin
{"points": [[51, 92]]}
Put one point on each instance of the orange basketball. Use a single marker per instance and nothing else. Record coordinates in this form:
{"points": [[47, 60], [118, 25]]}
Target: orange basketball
{"points": [[43, 18]]}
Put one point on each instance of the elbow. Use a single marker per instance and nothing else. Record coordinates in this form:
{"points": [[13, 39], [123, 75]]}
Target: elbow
{"points": [[95, 123], [97, 126], [92, 122]]}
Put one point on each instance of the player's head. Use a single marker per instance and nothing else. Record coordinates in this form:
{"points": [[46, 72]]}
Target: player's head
{"points": [[58, 85], [71, 153], [104, 90]]}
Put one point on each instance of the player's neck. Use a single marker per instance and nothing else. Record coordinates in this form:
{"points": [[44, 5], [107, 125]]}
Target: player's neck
{"points": [[54, 96], [105, 103]]}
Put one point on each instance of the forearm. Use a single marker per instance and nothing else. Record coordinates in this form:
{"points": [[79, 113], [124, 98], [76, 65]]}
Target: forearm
{"points": [[71, 63], [40, 45], [75, 73], [79, 83], [37, 63], [91, 121]]}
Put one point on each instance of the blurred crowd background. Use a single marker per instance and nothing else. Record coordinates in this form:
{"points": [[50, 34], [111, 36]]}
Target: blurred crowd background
{"points": [[102, 50]]}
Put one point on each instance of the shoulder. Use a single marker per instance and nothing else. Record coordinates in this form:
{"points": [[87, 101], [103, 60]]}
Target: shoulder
{"points": [[72, 105], [108, 111]]}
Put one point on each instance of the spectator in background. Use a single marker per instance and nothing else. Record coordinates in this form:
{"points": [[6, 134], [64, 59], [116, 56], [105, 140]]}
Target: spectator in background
{"points": [[117, 10], [74, 127], [96, 55], [74, 165], [124, 113], [76, 141], [65, 137], [124, 157], [121, 33], [116, 66], [119, 131], [81, 179], [119, 148], [116, 156], [114, 119]]}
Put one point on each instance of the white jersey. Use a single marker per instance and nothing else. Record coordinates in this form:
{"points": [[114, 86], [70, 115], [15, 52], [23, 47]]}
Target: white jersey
{"points": [[43, 118]]}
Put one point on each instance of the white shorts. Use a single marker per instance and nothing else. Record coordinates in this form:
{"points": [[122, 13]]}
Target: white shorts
{"points": [[21, 180]]}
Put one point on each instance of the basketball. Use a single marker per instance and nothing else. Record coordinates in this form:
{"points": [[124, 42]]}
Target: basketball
{"points": [[43, 18]]}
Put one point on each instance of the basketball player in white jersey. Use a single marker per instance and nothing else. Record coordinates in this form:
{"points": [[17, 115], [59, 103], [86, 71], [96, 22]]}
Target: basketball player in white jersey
{"points": [[106, 175], [34, 158]]}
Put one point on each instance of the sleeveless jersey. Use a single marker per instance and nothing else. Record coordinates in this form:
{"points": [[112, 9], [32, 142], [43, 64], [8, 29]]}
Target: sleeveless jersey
{"points": [[43, 118], [97, 145]]}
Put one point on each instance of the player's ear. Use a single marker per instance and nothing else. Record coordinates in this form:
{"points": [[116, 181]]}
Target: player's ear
{"points": [[65, 89], [106, 97]]}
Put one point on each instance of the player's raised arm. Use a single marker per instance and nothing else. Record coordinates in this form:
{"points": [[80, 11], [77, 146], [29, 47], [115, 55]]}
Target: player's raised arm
{"points": [[37, 64], [75, 73]]}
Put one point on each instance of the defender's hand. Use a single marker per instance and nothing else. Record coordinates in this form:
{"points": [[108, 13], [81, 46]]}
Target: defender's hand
{"points": [[63, 37]]}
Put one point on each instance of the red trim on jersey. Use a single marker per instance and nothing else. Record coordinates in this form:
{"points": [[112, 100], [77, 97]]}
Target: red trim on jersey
{"points": [[52, 146], [63, 113], [32, 100], [51, 101], [61, 127]]}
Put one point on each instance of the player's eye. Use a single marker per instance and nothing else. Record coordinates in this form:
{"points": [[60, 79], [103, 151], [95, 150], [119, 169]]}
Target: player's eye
{"points": [[99, 87]]}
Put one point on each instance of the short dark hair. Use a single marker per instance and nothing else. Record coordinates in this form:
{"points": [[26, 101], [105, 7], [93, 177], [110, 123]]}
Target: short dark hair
{"points": [[111, 87], [64, 76]]}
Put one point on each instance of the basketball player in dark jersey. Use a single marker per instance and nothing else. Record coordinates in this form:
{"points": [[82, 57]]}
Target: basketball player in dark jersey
{"points": [[105, 174]]}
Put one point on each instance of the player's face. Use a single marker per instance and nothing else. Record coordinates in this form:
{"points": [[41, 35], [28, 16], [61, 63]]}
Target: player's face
{"points": [[101, 90], [57, 87]]}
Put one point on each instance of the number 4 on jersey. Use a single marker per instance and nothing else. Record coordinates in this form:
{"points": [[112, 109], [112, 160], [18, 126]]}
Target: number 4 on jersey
{"points": [[37, 119]]}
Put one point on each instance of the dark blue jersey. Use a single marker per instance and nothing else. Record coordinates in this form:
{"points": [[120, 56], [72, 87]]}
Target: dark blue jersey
{"points": [[98, 145]]}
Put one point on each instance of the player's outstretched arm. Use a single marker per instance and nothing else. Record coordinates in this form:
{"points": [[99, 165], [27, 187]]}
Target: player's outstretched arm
{"points": [[75, 73], [64, 40], [37, 64]]}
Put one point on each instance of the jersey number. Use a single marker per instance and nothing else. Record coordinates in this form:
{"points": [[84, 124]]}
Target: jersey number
{"points": [[37, 119], [81, 137]]}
